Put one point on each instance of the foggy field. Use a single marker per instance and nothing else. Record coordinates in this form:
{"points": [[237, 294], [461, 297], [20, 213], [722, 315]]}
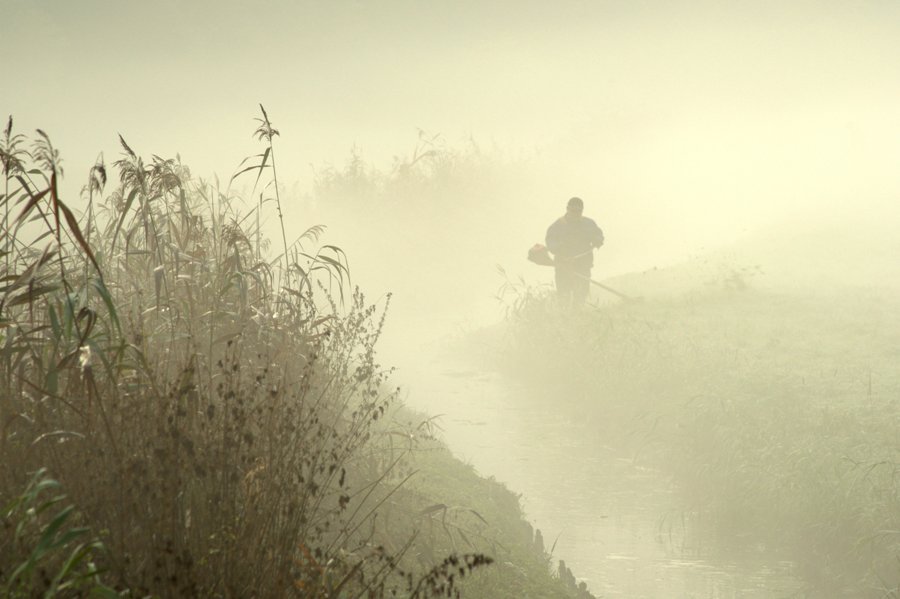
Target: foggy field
{"points": [[270, 325], [775, 411]]}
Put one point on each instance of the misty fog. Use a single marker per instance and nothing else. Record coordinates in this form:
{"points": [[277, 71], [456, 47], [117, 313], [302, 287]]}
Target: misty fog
{"points": [[722, 147], [682, 124]]}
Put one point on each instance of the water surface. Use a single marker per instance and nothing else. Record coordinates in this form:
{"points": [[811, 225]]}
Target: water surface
{"points": [[614, 521]]}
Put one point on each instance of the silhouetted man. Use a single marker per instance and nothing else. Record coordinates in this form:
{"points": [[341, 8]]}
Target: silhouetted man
{"points": [[571, 240]]}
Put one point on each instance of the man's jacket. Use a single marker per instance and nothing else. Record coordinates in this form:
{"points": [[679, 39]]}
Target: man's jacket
{"points": [[572, 240]]}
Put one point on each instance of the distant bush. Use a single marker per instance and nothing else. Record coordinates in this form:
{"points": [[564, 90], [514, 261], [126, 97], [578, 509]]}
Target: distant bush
{"points": [[436, 220]]}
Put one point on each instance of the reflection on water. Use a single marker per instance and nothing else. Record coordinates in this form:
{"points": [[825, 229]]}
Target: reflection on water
{"points": [[610, 519]]}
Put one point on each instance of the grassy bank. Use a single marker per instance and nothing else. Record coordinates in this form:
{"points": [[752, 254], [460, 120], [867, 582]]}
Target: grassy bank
{"points": [[776, 412], [187, 409]]}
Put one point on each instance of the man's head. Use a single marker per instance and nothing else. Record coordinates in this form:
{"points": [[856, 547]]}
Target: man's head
{"points": [[575, 207]]}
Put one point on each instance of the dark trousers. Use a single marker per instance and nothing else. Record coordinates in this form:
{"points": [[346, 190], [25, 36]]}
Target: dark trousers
{"points": [[573, 284]]}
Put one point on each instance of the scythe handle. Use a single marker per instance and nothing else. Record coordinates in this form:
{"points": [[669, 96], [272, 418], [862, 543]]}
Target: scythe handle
{"points": [[610, 289]]}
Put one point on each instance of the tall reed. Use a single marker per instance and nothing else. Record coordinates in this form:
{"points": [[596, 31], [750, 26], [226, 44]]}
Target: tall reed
{"points": [[212, 412]]}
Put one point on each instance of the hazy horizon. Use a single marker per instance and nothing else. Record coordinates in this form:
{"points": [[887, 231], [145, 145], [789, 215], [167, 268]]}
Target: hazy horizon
{"points": [[683, 125]]}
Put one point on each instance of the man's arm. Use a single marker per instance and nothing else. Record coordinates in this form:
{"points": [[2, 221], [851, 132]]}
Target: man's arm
{"points": [[551, 240], [596, 235]]}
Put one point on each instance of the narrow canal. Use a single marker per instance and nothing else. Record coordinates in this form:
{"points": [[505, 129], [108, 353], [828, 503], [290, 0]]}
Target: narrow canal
{"points": [[614, 521]]}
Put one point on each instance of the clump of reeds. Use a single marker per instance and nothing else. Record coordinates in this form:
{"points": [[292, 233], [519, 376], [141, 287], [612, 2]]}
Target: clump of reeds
{"points": [[42, 549], [211, 411]]}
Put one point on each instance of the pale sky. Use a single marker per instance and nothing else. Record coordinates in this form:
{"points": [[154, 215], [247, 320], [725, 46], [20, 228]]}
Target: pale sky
{"points": [[691, 120]]}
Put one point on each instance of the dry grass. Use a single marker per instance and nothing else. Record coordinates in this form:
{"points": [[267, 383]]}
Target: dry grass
{"points": [[212, 413]]}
